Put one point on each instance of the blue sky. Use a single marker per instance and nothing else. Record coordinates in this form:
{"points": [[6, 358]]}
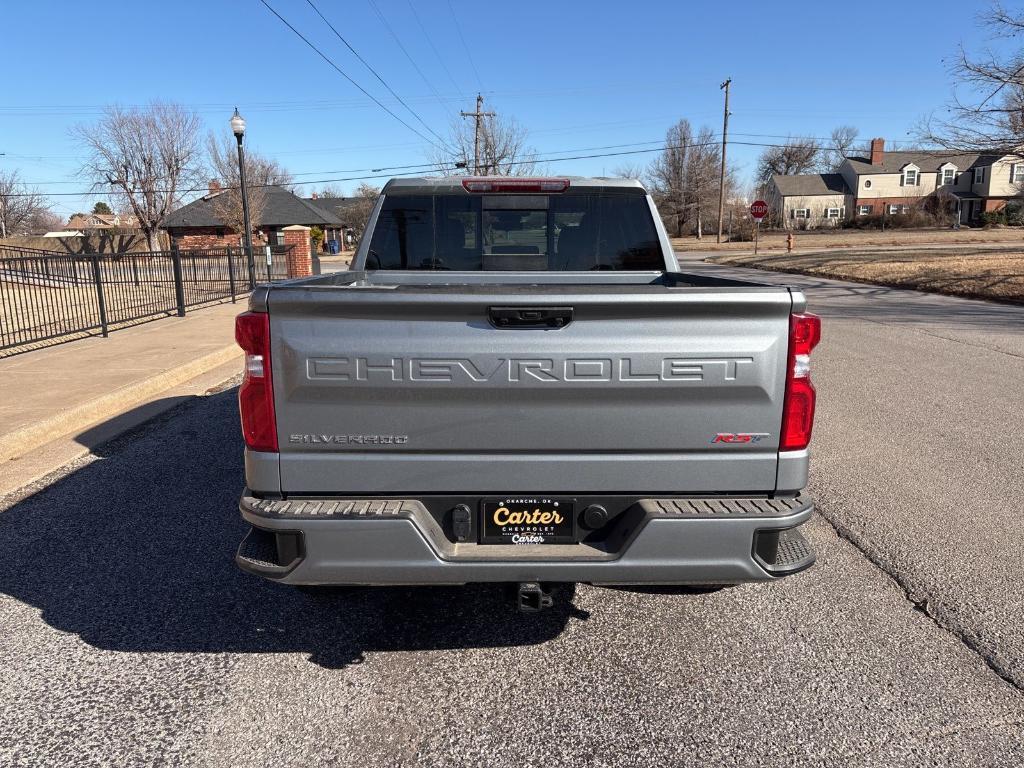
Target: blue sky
{"points": [[578, 75]]}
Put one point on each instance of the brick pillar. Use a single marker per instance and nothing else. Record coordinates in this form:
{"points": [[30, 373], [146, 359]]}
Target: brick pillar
{"points": [[300, 260]]}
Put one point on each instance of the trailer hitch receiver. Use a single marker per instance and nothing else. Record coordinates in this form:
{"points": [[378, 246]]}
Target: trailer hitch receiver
{"points": [[532, 597]]}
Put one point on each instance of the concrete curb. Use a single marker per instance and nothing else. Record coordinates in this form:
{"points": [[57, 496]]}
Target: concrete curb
{"points": [[21, 441]]}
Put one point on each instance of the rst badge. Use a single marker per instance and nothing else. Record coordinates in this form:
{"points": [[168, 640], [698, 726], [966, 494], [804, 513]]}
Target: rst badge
{"points": [[735, 438]]}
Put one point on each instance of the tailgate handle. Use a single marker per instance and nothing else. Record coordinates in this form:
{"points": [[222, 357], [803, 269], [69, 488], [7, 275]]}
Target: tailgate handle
{"points": [[530, 317]]}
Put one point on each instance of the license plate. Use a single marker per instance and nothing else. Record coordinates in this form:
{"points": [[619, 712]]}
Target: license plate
{"points": [[523, 520]]}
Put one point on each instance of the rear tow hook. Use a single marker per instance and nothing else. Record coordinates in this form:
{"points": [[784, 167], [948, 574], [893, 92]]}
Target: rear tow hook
{"points": [[532, 596]]}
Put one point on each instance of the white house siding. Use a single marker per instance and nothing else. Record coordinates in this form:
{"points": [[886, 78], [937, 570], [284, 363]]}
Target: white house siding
{"points": [[849, 175], [997, 179], [817, 205], [887, 185]]}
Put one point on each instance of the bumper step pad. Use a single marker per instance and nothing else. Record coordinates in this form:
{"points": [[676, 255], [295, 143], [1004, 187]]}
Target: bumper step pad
{"points": [[269, 554], [784, 552], [312, 509], [363, 508], [738, 507]]}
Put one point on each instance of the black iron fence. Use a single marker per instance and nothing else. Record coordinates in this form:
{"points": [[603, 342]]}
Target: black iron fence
{"points": [[47, 296]]}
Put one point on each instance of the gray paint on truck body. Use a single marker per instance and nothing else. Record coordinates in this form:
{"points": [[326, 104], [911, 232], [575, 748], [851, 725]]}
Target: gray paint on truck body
{"points": [[627, 397], [396, 383]]}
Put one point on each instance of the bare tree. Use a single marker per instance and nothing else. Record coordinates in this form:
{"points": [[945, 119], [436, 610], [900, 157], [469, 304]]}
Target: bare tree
{"points": [[684, 178], [260, 172], [22, 210], [502, 146], [629, 171], [668, 176], [147, 156], [795, 156], [359, 213], [329, 190], [842, 144], [986, 111], [43, 220], [702, 179]]}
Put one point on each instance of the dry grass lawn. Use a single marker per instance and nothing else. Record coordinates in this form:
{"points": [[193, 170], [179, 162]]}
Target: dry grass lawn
{"points": [[968, 272], [853, 238]]}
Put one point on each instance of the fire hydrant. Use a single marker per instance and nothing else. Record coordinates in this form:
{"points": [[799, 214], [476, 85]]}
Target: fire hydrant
{"points": [[789, 242]]}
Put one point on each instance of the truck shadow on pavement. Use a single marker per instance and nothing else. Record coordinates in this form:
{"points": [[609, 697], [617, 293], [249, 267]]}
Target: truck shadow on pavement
{"points": [[134, 552]]}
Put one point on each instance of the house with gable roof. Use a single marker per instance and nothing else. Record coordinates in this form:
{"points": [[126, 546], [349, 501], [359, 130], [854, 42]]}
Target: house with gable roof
{"points": [[893, 183]]}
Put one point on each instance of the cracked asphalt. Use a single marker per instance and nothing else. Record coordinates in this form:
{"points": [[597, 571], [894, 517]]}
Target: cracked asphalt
{"points": [[129, 638]]}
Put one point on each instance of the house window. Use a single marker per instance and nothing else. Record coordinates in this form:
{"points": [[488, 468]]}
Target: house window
{"points": [[947, 176], [801, 213], [832, 213], [910, 177], [895, 209], [864, 210], [1017, 173], [979, 175], [220, 232], [279, 235], [867, 184]]}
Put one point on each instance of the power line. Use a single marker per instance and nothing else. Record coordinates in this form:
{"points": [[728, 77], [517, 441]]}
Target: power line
{"points": [[540, 156], [436, 167], [341, 72], [376, 74], [430, 42], [458, 28], [440, 167], [415, 66]]}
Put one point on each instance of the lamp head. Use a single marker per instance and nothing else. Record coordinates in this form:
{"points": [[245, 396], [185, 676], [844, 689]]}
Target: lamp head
{"points": [[237, 124]]}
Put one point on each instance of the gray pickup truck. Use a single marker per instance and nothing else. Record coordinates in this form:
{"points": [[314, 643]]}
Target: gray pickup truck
{"points": [[515, 383]]}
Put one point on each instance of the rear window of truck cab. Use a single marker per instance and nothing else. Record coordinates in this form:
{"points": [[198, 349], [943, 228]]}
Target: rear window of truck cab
{"points": [[573, 231]]}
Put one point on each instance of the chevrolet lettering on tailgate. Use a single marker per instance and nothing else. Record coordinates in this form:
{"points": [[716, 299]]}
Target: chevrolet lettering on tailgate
{"points": [[515, 370]]}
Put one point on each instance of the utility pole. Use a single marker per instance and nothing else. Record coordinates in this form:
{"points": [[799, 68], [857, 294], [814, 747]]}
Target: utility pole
{"points": [[721, 177], [478, 116]]}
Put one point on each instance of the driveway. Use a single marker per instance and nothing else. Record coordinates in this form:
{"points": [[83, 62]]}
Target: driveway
{"points": [[130, 638]]}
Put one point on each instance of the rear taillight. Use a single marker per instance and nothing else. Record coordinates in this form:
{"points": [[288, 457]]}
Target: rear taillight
{"points": [[798, 408], [522, 185], [256, 395]]}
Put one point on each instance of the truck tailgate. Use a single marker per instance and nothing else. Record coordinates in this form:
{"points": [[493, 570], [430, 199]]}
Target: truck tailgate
{"points": [[412, 390]]}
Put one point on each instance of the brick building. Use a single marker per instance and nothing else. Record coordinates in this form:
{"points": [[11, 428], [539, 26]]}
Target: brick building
{"points": [[197, 225]]}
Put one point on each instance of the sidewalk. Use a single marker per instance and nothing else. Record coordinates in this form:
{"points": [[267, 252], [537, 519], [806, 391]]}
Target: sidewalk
{"points": [[59, 391], [336, 262]]}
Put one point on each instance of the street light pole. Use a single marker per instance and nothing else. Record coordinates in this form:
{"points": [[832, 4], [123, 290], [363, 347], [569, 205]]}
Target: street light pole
{"points": [[238, 128]]}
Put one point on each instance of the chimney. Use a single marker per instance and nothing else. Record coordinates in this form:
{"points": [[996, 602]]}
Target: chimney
{"points": [[214, 186], [877, 151]]}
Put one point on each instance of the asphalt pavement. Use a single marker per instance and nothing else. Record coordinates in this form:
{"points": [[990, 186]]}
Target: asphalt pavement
{"points": [[919, 448], [131, 639]]}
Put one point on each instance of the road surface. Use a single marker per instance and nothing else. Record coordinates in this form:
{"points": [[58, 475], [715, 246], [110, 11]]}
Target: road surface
{"points": [[130, 637]]}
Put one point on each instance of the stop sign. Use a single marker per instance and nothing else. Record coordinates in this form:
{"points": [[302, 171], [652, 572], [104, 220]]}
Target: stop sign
{"points": [[759, 209]]}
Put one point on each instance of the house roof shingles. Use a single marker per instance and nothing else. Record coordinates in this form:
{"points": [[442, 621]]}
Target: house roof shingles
{"points": [[807, 184], [281, 209], [892, 162]]}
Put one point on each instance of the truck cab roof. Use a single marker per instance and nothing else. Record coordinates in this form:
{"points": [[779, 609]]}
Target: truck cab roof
{"points": [[453, 185]]}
